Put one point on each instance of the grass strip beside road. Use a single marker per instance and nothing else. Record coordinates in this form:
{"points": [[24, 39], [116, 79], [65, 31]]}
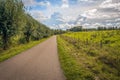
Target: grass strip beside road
{"points": [[71, 68], [18, 49]]}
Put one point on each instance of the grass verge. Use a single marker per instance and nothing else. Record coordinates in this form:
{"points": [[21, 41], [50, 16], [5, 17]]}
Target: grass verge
{"points": [[71, 67], [18, 49], [84, 61]]}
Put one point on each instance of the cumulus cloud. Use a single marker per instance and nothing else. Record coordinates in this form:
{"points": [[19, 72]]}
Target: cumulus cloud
{"points": [[110, 4], [118, 19], [103, 15], [90, 13], [45, 3], [68, 13], [29, 2], [86, 0], [65, 4], [38, 15], [34, 3]]}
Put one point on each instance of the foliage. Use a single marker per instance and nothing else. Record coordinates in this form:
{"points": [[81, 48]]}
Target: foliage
{"points": [[17, 26], [96, 51], [70, 66], [99, 28], [10, 13], [75, 29], [108, 28], [58, 31]]}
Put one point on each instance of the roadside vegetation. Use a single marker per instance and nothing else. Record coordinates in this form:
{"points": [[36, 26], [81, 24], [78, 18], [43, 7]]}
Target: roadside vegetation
{"points": [[91, 55], [18, 29], [71, 67], [18, 49]]}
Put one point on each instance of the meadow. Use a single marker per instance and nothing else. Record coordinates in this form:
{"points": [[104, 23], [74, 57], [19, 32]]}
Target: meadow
{"points": [[90, 55]]}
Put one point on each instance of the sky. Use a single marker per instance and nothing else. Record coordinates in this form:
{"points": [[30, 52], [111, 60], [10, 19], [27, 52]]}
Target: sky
{"points": [[64, 14]]}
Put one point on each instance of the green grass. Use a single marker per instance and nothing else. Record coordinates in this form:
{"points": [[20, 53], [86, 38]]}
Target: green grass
{"points": [[71, 67], [4, 55], [94, 59], [112, 37]]}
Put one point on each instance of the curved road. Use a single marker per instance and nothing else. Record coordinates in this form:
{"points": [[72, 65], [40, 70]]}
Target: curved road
{"points": [[38, 63]]}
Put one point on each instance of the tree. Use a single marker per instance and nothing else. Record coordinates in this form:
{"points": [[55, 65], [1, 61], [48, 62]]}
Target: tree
{"points": [[14, 22], [76, 28], [29, 27], [10, 13]]}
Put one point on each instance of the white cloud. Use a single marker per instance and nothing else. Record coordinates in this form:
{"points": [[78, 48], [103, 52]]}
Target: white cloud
{"points": [[86, 25], [118, 24], [90, 13], [99, 12], [85, 0], [29, 2], [66, 26], [97, 24], [93, 25], [68, 18], [46, 3], [67, 13], [118, 19], [106, 2], [82, 0], [110, 4], [34, 3], [95, 14], [65, 4], [109, 21], [38, 15], [109, 24]]}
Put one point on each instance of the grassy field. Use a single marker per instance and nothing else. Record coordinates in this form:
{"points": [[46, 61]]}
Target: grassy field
{"points": [[18, 49], [90, 55]]}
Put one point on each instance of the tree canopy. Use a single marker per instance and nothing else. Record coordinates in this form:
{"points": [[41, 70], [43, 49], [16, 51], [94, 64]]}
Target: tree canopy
{"points": [[14, 21]]}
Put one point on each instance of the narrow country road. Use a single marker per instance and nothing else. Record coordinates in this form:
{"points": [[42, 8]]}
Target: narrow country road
{"points": [[38, 63]]}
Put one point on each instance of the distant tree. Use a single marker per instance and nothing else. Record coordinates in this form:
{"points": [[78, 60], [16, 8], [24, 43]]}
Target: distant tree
{"points": [[76, 28], [108, 28], [58, 31]]}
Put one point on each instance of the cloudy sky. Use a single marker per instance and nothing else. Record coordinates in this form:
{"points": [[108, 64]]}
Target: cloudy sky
{"points": [[65, 14]]}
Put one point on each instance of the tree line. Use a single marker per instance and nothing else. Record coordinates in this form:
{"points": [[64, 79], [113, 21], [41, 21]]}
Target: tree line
{"points": [[17, 26], [80, 28]]}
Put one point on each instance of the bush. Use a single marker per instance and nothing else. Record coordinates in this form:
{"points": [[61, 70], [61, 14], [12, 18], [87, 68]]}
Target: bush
{"points": [[22, 40], [92, 53]]}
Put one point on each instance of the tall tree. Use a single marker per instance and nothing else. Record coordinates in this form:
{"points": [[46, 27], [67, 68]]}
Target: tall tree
{"points": [[10, 13], [29, 28]]}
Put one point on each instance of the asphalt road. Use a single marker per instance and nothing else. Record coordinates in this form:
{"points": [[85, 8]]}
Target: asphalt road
{"points": [[38, 63]]}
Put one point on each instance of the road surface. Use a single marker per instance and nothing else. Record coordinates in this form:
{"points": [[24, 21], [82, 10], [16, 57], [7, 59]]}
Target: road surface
{"points": [[38, 63]]}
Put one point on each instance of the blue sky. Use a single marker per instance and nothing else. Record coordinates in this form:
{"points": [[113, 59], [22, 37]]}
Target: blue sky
{"points": [[64, 14]]}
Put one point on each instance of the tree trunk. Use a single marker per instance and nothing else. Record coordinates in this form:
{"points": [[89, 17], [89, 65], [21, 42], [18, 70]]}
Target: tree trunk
{"points": [[28, 38], [5, 41]]}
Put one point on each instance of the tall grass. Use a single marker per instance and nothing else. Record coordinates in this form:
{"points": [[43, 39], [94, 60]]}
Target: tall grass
{"points": [[96, 51], [71, 67]]}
